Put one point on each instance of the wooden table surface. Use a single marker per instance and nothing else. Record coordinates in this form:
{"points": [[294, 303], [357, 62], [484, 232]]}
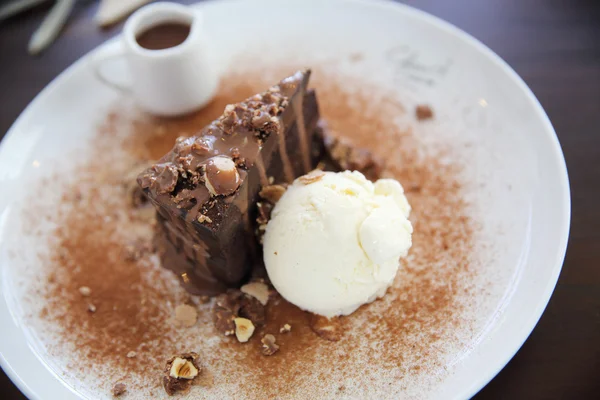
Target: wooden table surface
{"points": [[555, 46]]}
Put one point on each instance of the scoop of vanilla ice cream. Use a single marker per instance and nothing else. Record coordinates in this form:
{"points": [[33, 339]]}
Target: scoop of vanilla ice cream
{"points": [[334, 243]]}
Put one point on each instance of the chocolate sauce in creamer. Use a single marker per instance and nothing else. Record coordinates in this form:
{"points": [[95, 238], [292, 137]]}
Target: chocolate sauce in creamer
{"points": [[204, 189]]}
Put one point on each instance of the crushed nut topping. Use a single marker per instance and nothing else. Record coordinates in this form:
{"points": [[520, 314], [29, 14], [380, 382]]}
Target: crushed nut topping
{"points": [[184, 369], [203, 218], [118, 389], [91, 308], [233, 304], [131, 354], [186, 315], [272, 193], [269, 345], [221, 176], [285, 328], [244, 329], [258, 290], [85, 291], [423, 112], [327, 328], [346, 156], [312, 177], [180, 372]]}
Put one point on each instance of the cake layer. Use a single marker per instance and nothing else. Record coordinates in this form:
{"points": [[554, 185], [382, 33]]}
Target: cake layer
{"points": [[205, 188]]}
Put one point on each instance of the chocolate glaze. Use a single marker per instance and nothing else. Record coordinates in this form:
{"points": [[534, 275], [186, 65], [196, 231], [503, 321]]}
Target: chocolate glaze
{"points": [[204, 231]]}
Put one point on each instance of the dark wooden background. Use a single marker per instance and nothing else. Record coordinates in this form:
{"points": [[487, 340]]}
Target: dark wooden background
{"points": [[555, 46]]}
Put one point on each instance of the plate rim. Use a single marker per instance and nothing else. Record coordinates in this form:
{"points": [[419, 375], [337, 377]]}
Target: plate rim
{"points": [[564, 217]]}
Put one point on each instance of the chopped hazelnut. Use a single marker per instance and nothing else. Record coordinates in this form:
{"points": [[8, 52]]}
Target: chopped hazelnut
{"points": [[312, 177], [180, 372], [203, 218], [186, 315], [221, 176], [131, 354], [272, 193], [85, 291], [118, 389], [258, 290], [346, 156], [285, 328], [91, 308], [269, 345], [423, 112], [244, 329], [182, 369]]}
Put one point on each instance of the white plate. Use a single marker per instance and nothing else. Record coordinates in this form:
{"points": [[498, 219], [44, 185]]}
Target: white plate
{"points": [[519, 149]]}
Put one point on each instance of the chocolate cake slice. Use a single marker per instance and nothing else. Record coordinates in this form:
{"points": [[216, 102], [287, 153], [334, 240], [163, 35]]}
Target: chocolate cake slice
{"points": [[206, 187]]}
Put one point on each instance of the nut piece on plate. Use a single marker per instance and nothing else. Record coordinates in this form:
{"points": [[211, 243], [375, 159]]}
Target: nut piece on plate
{"points": [[234, 304], [221, 176], [423, 112], [346, 156], [118, 389], [269, 345], [258, 290], [244, 329], [285, 328], [180, 373], [327, 328], [85, 291], [186, 315]]}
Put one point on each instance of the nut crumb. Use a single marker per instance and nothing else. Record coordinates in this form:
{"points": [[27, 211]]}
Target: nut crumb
{"points": [[118, 389], [186, 315], [258, 290], [180, 372], [233, 304], [204, 299], [346, 156], [312, 177], [85, 291], [182, 368], [131, 354], [244, 329], [272, 193], [91, 308], [269, 345], [285, 328], [327, 328], [203, 218], [423, 112]]}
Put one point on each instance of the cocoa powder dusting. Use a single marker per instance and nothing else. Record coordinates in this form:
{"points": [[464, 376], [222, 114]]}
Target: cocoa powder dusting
{"points": [[399, 336]]}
